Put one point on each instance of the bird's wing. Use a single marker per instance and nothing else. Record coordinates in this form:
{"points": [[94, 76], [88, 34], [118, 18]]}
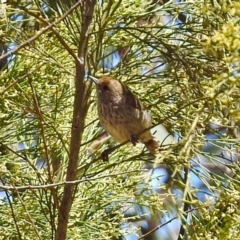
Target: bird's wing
{"points": [[132, 100]]}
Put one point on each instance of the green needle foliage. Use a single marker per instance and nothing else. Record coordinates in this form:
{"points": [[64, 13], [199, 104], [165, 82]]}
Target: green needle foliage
{"points": [[181, 59]]}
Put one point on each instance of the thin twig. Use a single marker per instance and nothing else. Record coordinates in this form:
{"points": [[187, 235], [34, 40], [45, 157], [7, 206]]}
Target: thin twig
{"points": [[54, 185], [57, 34], [162, 225], [45, 145], [29, 73], [13, 214], [186, 204], [42, 129], [31, 220], [42, 31]]}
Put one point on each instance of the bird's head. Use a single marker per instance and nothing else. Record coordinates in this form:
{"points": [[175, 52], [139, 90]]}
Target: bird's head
{"points": [[109, 90]]}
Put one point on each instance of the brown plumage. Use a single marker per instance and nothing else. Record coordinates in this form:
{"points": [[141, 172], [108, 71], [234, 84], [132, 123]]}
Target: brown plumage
{"points": [[122, 114]]}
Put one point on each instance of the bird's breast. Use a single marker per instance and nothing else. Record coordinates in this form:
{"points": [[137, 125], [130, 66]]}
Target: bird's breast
{"points": [[122, 121], [113, 121]]}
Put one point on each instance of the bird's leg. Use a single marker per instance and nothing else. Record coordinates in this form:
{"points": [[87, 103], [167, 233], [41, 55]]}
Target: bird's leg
{"points": [[108, 151], [134, 139], [105, 154]]}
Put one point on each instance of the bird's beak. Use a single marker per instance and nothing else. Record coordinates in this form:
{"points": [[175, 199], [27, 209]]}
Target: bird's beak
{"points": [[95, 80]]}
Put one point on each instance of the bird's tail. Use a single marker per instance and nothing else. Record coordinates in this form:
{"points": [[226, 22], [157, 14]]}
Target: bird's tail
{"points": [[152, 146]]}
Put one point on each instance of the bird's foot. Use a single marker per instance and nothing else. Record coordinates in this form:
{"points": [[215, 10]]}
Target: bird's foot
{"points": [[104, 155], [134, 139]]}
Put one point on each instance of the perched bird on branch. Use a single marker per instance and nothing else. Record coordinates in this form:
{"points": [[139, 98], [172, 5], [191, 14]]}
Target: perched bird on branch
{"points": [[122, 114]]}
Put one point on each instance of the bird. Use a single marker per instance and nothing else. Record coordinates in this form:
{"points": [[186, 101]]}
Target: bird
{"points": [[122, 114]]}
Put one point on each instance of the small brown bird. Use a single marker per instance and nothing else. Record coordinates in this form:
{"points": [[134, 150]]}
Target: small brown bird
{"points": [[122, 114]]}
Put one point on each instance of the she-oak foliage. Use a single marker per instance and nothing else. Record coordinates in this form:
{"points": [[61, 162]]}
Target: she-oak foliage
{"points": [[185, 71]]}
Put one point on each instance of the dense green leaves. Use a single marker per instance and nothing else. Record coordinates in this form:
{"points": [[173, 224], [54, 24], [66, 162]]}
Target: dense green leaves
{"points": [[181, 59]]}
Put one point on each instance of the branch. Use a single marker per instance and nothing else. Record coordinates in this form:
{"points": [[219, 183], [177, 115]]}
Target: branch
{"points": [[57, 34], [13, 214], [81, 103], [44, 139], [21, 79], [42, 31], [186, 205], [75, 182], [162, 225]]}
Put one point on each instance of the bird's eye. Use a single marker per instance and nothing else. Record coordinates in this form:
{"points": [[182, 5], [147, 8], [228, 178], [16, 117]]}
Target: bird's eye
{"points": [[105, 87]]}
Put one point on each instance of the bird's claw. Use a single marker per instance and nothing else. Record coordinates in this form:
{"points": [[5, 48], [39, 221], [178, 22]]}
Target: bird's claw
{"points": [[134, 139], [105, 154]]}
